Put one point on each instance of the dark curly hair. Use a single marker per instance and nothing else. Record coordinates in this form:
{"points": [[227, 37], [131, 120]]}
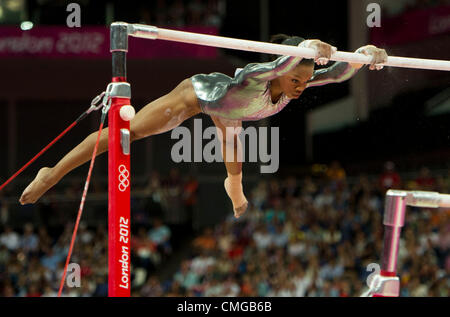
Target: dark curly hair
{"points": [[289, 40]]}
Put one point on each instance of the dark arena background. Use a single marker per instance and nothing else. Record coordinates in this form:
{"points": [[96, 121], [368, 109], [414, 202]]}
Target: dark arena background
{"points": [[312, 229]]}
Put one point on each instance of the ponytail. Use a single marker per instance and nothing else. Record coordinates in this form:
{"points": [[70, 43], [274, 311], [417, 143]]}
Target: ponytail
{"points": [[288, 40]]}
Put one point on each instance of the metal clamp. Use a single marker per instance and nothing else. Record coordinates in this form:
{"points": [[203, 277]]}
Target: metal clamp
{"points": [[146, 31], [125, 141], [385, 286], [119, 90], [106, 103], [95, 103]]}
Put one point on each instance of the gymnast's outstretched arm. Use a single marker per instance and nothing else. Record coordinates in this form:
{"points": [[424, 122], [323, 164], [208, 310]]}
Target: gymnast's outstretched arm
{"points": [[337, 73], [284, 64], [342, 71]]}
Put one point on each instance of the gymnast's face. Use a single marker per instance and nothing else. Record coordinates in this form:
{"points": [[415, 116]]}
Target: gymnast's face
{"points": [[294, 82]]}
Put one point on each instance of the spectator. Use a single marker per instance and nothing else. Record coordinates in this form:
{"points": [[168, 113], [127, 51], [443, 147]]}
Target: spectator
{"points": [[101, 289], [301, 282], [263, 239], [10, 239], [259, 195], [201, 263], [30, 241], [190, 192], [173, 199], [290, 188], [230, 288], [4, 211], [50, 260], [8, 291], [215, 12], [336, 174], [205, 242], [151, 203], [214, 288], [325, 198], [160, 235], [145, 250], [425, 181], [389, 179], [152, 288], [280, 237], [33, 291], [331, 270]]}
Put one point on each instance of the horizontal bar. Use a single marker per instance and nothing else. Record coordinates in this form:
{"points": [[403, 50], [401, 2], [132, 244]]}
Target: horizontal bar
{"points": [[424, 199], [153, 32], [427, 199]]}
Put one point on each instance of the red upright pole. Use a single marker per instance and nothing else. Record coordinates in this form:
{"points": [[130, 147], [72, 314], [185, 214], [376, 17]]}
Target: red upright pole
{"points": [[119, 171], [119, 203]]}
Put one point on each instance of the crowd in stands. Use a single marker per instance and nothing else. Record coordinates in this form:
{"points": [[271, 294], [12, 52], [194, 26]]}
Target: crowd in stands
{"points": [[32, 262], [305, 237], [32, 258], [302, 236]]}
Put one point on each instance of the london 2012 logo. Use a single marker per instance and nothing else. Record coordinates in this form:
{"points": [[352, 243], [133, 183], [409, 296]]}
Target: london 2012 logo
{"points": [[124, 175]]}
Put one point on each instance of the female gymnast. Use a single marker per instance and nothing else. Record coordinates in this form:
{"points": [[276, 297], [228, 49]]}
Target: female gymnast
{"points": [[257, 91]]}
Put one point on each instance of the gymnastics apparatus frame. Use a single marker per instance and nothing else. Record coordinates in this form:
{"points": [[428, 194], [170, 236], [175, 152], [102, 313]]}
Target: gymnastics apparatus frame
{"points": [[118, 95]]}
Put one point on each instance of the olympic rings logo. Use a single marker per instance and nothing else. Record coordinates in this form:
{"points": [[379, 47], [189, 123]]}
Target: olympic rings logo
{"points": [[124, 182]]}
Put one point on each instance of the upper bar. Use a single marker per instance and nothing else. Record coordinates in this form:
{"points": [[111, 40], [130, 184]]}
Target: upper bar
{"points": [[153, 32]]}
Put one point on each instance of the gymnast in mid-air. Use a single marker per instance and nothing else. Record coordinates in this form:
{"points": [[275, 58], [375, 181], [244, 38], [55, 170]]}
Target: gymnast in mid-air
{"points": [[257, 91]]}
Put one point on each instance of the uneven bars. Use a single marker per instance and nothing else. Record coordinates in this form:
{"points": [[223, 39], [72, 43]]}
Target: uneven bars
{"points": [[153, 32]]}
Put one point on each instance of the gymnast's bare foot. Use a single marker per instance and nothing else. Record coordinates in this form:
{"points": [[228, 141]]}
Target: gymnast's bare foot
{"points": [[37, 187], [241, 210], [239, 199]]}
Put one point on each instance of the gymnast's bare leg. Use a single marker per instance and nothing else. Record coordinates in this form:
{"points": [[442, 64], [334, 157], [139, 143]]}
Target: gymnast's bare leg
{"points": [[228, 131], [159, 116]]}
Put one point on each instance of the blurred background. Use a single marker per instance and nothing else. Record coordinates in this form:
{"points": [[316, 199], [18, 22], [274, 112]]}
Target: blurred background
{"points": [[312, 227]]}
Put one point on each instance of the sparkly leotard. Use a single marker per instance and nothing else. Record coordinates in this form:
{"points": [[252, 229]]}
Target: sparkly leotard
{"points": [[247, 96]]}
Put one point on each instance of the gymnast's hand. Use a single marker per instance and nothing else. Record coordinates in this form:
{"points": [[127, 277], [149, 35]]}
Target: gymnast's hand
{"points": [[379, 56], [323, 50]]}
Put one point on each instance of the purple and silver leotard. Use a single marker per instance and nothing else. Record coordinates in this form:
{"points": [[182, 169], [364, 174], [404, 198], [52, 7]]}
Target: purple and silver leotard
{"points": [[247, 97]]}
